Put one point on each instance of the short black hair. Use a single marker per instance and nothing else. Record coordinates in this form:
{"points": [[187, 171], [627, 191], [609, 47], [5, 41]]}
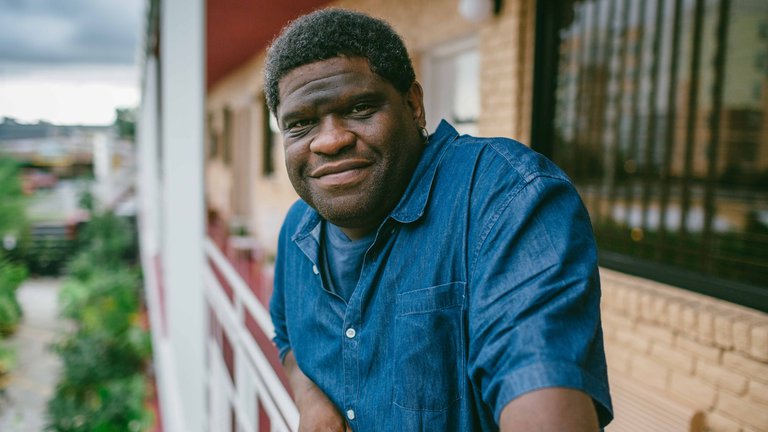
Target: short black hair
{"points": [[329, 33]]}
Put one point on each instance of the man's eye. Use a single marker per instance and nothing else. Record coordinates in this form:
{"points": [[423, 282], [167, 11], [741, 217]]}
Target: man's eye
{"points": [[298, 125], [362, 109]]}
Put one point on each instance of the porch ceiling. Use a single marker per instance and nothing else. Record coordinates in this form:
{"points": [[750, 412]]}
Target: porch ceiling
{"points": [[238, 29]]}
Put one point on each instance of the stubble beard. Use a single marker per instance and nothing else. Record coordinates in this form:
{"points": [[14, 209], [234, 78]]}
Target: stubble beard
{"points": [[354, 208]]}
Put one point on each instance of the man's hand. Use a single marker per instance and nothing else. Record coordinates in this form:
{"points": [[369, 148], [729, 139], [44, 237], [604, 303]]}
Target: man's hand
{"points": [[550, 409], [316, 412]]}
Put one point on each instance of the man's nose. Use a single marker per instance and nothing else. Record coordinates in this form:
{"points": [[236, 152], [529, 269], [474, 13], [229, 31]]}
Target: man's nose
{"points": [[332, 137]]}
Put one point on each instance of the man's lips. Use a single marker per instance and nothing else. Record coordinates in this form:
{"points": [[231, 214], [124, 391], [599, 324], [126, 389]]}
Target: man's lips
{"points": [[338, 167], [334, 174]]}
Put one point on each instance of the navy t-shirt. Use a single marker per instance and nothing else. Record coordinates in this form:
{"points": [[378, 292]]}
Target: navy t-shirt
{"points": [[343, 259]]}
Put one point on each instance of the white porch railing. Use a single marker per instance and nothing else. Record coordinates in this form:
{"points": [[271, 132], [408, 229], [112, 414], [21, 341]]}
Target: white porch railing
{"points": [[245, 390]]}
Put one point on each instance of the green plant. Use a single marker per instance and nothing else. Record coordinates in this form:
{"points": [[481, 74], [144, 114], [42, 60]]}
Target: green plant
{"points": [[112, 406], [104, 356], [11, 276], [107, 242], [7, 359], [108, 342], [14, 224], [12, 211]]}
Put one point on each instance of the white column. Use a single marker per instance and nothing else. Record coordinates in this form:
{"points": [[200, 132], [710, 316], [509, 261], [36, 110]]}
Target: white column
{"points": [[182, 121], [149, 218]]}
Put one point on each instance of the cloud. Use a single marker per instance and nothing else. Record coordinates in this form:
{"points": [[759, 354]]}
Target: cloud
{"points": [[70, 31]]}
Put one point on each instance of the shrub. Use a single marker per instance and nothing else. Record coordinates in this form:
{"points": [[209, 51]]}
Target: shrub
{"points": [[102, 385], [11, 277], [7, 362], [112, 406]]}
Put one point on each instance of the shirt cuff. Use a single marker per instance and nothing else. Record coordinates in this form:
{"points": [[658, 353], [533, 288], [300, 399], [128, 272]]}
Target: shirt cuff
{"points": [[282, 349], [550, 374]]}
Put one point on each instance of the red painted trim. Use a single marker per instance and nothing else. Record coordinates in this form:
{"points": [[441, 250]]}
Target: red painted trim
{"points": [[153, 405], [268, 348], [229, 355], [228, 290], [264, 423]]}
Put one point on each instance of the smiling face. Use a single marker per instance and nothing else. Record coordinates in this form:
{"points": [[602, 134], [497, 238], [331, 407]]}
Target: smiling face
{"points": [[351, 140]]}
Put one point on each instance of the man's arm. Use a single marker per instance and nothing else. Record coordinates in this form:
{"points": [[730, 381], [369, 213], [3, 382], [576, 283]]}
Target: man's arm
{"points": [[550, 409], [536, 304], [316, 412]]}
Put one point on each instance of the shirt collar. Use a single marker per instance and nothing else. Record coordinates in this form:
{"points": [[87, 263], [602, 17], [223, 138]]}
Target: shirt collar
{"points": [[414, 200]]}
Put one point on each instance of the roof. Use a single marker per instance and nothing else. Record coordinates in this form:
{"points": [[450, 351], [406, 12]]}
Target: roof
{"points": [[236, 30]]}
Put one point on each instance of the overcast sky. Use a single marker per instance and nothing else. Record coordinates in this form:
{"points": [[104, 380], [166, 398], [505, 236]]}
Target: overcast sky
{"points": [[69, 61]]}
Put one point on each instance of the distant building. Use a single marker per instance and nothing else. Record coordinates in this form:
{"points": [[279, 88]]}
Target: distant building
{"points": [[62, 150]]}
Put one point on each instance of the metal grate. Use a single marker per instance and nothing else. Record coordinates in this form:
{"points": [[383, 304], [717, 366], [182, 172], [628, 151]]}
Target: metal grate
{"points": [[659, 113]]}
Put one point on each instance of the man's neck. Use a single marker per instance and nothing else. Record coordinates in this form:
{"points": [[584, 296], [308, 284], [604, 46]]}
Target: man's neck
{"points": [[356, 233]]}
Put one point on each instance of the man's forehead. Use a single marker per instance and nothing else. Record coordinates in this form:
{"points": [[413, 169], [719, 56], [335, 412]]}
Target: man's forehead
{"points": [[328, 66], [303, 80]]}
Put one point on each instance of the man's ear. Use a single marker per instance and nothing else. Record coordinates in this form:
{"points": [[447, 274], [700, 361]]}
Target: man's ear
{"points": [[415, 100]]}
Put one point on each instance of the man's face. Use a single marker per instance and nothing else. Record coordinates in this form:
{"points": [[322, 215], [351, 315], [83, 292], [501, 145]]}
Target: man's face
{"points": [[351, 140]]}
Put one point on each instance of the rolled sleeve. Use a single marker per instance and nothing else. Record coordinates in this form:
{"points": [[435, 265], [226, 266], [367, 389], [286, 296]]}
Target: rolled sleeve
{"points": [[535, 299], [277, 302]]}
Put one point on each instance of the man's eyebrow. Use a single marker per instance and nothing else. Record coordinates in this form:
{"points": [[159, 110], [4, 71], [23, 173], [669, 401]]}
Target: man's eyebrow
{"points": [[368, 95], [297, 112], [287, 117], [320, 100]]}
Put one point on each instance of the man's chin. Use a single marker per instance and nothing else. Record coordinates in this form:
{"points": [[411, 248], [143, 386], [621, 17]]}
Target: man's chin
{"points": [[346, 213]]}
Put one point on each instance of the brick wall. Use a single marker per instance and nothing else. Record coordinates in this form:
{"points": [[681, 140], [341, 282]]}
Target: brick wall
{"points": [[705, 353]]}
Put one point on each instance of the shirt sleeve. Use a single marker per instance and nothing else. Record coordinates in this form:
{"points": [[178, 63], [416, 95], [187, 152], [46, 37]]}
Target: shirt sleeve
{"points": [[534, 319], [277, 302]]}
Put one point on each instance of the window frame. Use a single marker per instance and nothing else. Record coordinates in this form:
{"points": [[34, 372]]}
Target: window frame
{"points": [[546, 66]]}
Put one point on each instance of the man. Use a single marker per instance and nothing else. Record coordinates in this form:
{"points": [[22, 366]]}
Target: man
{"points": [[438, 283]]}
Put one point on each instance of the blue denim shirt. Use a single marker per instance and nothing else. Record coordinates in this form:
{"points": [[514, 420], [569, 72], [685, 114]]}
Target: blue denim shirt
{"points": [[481, 285]]}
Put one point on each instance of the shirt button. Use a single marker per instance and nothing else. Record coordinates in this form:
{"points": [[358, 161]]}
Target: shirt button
{"points": [[350, 333], [351, 414], [315, 270]]}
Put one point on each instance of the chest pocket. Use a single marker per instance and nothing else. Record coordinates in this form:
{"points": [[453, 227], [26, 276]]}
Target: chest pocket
{"points": [[429, 347]]}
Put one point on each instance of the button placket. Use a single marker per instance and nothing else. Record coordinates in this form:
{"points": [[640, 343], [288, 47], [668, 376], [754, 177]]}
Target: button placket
{"points": [[350, 354]]}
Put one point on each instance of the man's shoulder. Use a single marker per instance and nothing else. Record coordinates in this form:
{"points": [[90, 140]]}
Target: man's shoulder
{"points": [[505, 157]]}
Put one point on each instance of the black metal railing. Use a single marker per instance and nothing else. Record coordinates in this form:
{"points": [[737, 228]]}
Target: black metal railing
{"points": [[658, 110]]}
